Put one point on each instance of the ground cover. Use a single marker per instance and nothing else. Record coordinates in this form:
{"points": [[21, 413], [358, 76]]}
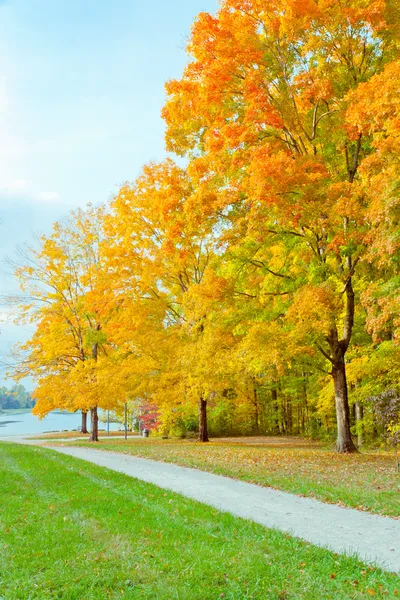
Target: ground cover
{"points": [[366, 481], [69, 529]]}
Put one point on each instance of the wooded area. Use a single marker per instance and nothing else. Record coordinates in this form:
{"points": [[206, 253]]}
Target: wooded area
{"points": [[15, 398], [254, 286]]}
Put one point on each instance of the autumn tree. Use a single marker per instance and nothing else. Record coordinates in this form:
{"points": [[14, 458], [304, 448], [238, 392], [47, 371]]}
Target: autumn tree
{"points": [[159, 253], [235, 283], [261, 113], [64, 290], [374, 113]]}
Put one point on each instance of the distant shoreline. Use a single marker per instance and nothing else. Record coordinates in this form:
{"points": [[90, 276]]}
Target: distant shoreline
{"points": [[14, 411], [19, 411]]}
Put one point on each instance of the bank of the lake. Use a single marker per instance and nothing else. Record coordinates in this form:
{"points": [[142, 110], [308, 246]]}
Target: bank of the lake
{"points": [[23, 422]]}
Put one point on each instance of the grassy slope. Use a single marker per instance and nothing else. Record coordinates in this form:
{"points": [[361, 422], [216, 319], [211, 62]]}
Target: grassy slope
{"points": [[364, 481], [72, 530]]}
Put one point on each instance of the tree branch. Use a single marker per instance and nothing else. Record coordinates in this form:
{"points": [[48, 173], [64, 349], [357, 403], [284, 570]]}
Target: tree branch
{"points": [[324, 353]]}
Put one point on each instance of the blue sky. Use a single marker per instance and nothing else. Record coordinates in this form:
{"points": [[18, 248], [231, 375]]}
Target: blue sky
{"points": [[81, 90]]}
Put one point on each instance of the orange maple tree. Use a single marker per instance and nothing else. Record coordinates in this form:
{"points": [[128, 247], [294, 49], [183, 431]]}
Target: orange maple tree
{"points": [[261, 113]]}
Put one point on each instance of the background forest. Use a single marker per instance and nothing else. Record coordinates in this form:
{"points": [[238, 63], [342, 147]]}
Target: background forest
{"points": [[252, 287], [15, 398]]}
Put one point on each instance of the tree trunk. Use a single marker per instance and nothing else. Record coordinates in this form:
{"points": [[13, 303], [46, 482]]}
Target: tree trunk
{"points": [[256, 427], [344, 443], [305, 417], [275, 408], [353, 419], [94, 434], [289, 413], [84, 422], [203, 431], [338, 349], [359, 424]]}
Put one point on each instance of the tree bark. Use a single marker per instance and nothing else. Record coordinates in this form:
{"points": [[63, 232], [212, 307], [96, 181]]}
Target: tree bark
{"points": [[275, 409], [359, 425], [338, 349], [305, 416], [353, 416], [344, 442], [289, 415], [203, 429], [256, 428], [84, 422], [94, 433]]}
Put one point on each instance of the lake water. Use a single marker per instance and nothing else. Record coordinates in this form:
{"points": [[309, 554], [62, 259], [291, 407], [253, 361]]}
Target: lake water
{"points": [[24, 423]]}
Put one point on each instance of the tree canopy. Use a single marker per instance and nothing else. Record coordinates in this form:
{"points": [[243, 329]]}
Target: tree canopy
{"points": [[259, 281]]}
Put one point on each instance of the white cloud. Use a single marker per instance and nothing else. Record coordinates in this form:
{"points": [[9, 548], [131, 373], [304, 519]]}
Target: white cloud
{"points": [[49, 196], [16, 151], [20, 187], [12, 187]]}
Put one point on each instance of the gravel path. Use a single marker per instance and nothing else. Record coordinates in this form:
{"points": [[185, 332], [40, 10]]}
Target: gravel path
{"points": [[372, 538]]}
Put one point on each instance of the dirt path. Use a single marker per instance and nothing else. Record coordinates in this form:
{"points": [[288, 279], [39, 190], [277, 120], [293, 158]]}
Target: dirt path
{"points": [[374, 539]]}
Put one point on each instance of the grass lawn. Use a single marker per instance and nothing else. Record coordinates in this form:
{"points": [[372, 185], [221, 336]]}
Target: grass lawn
{"points": [[71, 530], [364, 481]]}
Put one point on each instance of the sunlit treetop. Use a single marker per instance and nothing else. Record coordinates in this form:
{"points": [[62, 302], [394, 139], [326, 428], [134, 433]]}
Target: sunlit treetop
{"points": [[261, 67]]}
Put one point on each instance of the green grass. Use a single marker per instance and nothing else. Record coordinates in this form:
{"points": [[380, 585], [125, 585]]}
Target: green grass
{"points": [[71, 530], [364, 481]]}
